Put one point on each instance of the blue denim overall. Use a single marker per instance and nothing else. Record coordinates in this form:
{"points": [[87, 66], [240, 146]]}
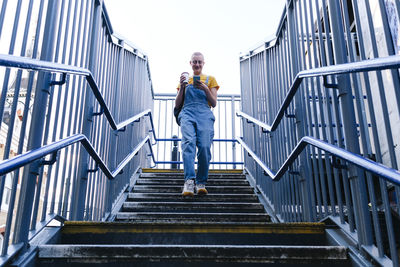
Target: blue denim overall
{"points": [[197, 127]]}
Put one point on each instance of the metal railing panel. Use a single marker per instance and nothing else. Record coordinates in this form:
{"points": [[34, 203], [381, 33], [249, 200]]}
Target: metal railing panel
{"points": [[73, 40], [224, 152], [309, 92], [19, 161]]}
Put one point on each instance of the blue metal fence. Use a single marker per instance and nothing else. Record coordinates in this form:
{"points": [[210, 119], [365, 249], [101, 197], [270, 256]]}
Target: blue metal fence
{"points": [[329, 78], [320, 112], [73, 81], [226, 127]]}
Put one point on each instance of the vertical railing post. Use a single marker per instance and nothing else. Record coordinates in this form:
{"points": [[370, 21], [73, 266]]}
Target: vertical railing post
{"points": [[304, 171], [356, 176], [249, 108], [233, 130], [79, 205], [114, 141], [254, 113], [42, 92], [175, 153], [114, 136]]}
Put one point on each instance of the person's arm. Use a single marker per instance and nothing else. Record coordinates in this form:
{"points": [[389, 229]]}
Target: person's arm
{"points": [[179, 97], [211, 93]]}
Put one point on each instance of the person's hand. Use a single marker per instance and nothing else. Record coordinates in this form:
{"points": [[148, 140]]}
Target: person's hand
{"points": [[183, 78], [201, 85]]}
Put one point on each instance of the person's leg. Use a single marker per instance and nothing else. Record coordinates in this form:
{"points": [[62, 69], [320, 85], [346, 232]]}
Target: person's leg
{"points": [[205, 135], [188, 147]]}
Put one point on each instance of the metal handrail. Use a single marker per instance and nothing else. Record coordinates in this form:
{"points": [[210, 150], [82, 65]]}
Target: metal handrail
{"points": [[196, 162], [212, 162], [351, 109], [174, 95], [180, 139], [137, 117], [40, 65], [376, 64], [389, 174], [35, 154], [265, 127], [361, 66]]}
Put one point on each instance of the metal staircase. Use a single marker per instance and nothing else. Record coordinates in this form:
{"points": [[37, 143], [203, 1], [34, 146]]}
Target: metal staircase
{"points": [[227, 200], [155, 226], [315, 128]]}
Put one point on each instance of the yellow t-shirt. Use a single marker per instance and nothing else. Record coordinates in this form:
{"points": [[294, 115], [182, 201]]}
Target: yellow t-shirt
{"points": [[212, 83]]}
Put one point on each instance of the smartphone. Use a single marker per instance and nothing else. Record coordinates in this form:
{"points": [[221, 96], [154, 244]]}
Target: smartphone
{"points": [[196, 78]]}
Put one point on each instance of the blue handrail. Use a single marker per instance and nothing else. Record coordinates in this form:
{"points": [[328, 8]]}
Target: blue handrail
{"points": [[389, 174], [361, 66], [30, 156], [376, 64], [180, 139], [212, 162], [40, 65]]}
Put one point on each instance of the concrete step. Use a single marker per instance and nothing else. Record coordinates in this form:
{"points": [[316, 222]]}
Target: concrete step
{"points": [[196, 233], [178, 189], [155, 197], [175, 181], [191, 217], [167, 255], [180, 176], [228, 207]]}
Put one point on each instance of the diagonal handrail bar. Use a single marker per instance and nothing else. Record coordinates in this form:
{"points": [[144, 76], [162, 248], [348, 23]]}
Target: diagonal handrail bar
{"points": [[35, 154], [381, 170], [135, 118], [264, 126], [40, 65], [375, 64]]}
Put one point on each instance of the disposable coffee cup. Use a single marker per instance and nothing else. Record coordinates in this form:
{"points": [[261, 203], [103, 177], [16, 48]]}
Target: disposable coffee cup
{"points": [[186, 75]]}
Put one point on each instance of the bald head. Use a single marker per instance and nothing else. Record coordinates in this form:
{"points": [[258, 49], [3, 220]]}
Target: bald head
{"points": [[197, 54]]}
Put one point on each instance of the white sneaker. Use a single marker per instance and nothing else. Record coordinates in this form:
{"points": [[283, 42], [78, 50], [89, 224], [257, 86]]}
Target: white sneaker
{"points": [[188, 188], [201, 189]]}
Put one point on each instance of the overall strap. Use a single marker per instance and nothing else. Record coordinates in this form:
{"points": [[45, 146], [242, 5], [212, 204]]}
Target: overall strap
{"points": [[208, 77]]}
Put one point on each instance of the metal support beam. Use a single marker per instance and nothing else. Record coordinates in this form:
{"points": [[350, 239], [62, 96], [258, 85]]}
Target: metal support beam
{"points": [[350, 131], [78, 209], [37, 126], [299, 116]]}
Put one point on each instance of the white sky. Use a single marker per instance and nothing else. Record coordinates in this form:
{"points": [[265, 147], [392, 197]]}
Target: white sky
{"points": [[170, 31]]}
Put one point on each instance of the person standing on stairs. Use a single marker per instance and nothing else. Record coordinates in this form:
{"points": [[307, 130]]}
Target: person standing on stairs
{"points": [[197, 94]]}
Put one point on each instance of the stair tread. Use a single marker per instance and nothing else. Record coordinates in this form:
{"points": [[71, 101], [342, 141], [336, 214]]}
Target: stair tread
{"points": [[192, 213], [212, 175], [183, 226], [208, 195], [211, 182], [178, 188], [193, 203], [196, 233], [216, 198], [197, 206], [247, 253], [192, 216], [180, 178]]}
